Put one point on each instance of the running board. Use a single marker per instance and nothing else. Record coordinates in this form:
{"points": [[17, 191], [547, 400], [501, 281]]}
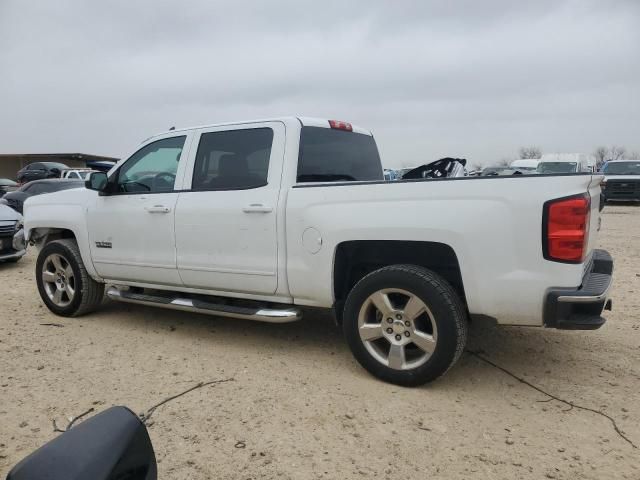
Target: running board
{"points": [[270, 315]]}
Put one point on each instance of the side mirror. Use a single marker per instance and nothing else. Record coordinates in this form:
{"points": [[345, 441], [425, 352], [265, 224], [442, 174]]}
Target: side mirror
{"points": [[111, 445], [97, 181]]}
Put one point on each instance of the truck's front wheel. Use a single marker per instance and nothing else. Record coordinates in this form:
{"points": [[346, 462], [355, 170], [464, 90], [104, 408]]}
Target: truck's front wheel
{"points": [[405, 324], [63, 282]]}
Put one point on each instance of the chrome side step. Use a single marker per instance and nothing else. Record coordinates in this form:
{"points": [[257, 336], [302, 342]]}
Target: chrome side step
{"points": [[278, 315]]}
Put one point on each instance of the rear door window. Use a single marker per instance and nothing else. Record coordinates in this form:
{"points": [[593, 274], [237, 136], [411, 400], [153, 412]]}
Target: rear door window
{"points": [[233, 159], [331, 155]]}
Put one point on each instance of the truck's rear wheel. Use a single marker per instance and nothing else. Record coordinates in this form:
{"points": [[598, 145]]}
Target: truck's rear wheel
{"points": [[405, 324], [63, 282]]}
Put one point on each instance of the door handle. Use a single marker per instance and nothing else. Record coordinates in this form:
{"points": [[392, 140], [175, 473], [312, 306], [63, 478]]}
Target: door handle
{"points": [[158, 209], [257, 208]]}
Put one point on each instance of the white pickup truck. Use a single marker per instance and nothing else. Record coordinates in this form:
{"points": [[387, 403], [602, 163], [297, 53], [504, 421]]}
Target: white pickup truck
{"points": [[257, 219]]}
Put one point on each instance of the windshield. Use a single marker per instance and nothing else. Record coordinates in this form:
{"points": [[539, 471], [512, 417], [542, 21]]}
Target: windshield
{"points": [[330, 155], [557, 167], [622, 168]]}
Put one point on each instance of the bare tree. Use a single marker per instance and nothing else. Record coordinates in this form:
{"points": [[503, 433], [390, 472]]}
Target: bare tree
{"points": [[531, 152], [601, 154], [635, 155], [604, 154], [504, 162], [617, 153]]}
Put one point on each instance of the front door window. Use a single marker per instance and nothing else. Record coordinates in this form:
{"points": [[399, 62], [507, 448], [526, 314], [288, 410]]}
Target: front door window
{"points": [[153, 168]]}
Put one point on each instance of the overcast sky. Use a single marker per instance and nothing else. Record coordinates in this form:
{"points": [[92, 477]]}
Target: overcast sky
{"points": [[473, 79]]}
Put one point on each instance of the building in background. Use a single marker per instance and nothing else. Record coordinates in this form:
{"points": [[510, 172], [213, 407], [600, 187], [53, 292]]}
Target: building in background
{"points": [[11, 163]]}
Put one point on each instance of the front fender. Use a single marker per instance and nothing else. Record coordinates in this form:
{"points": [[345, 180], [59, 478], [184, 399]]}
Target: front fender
{"points": [[46, 220]]}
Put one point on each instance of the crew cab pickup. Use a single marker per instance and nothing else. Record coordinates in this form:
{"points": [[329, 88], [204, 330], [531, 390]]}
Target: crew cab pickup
{"points": [[257, 219], [621, 180]]}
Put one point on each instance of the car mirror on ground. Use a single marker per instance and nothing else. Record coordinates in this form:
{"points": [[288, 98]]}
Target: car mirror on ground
{"points": [[113, 444], [97, 181]]}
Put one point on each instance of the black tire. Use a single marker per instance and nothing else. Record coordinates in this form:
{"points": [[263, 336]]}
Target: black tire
{"points": [[88, 293], [447, 313]]}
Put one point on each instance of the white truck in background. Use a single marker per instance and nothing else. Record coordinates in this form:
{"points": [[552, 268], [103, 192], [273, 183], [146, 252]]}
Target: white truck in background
{"points": [[257, 219], [553, 163]]}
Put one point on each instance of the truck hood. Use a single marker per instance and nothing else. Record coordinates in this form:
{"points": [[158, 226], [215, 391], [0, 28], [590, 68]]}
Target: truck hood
{"points": [[8, 214], [622, 177], [75, 196]]}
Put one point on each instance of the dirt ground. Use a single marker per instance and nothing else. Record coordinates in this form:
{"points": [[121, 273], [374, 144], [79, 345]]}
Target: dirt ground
{"points": [[302, 408]]}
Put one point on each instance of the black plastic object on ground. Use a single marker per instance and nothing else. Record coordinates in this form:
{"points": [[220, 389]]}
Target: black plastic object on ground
{"points": [[111, 445]]}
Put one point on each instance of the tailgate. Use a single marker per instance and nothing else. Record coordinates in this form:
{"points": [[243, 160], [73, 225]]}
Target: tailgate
{"points": [[595, 220]]}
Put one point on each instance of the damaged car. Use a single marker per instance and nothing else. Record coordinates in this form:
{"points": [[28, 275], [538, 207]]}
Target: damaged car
{"points": [[444, 168], [12, 243]]}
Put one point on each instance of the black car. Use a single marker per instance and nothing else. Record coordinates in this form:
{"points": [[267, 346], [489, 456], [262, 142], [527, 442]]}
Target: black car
{"points": [[39, 171], [16, 199]]}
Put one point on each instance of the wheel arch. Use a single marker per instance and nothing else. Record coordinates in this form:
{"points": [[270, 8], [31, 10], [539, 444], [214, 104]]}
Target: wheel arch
{"points": [[40, 236], [355, 259]]}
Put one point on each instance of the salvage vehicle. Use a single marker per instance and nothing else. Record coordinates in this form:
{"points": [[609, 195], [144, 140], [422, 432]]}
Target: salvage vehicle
{"points": [[16, 198], [444, 168], [12, 244], [621, 180], [257, 219], [39, 171]]}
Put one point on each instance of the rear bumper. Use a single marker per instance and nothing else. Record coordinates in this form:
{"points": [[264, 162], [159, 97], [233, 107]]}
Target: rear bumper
{"points": [[581, 308]]}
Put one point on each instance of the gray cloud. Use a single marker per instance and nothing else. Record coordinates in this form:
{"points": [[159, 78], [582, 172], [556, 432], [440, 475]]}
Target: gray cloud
{"points": [[468, 78]]}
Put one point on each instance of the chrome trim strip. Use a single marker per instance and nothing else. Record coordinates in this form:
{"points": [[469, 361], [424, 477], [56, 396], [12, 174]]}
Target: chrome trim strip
{"points": [[282, 315], [586, 298], [10, 256]]}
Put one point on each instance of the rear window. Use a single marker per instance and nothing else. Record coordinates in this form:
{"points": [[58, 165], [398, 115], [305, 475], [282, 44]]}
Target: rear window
{"points": [[330, 155]]}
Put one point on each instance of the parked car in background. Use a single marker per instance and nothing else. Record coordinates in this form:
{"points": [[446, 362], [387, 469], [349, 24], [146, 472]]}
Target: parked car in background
{"points": [[39, 171], [12, 244], [554, 163], [621, 180], [525, 166], [76, 173], [7, 186], [493, 171], [256, 220], [391, 175], [100, 165], [16, 199]]}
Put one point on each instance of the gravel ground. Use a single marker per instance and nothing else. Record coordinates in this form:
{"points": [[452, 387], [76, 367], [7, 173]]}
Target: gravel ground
{"points": [[304, 409]]}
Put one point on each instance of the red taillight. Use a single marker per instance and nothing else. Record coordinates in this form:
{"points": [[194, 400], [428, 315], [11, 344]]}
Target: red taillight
{"points": [[338, 125], [566, 229]]}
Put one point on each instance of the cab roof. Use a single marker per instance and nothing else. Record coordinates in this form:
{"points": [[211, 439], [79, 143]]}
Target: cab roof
{"points": [[303, 121]]}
